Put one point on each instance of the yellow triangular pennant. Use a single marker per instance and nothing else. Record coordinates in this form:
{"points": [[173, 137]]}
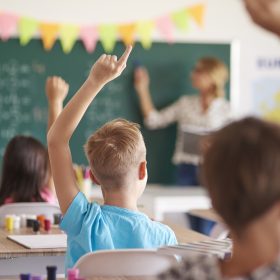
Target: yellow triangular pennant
{"points": [[181, 19], [108, 35], [68, 36], [27, 28], [145, 31]]}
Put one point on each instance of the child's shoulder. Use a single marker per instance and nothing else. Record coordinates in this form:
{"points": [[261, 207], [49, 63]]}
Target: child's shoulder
{"points": [[161, 226], [165, 231], [194, 266]]}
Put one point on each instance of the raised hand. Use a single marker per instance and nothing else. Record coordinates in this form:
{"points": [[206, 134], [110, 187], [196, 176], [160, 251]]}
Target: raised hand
{"points": [[141, 79], [108, 67], [56, 89]]}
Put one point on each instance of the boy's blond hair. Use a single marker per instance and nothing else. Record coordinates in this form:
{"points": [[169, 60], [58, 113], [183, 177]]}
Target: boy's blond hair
{"points": [[114, 149]]}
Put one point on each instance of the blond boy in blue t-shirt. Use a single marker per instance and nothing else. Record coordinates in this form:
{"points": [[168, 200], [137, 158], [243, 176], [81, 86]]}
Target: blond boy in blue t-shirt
{"points": [[117, 157]]}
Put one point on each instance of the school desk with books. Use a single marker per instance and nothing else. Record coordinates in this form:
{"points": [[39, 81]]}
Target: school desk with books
{"points": [[16, 258]]}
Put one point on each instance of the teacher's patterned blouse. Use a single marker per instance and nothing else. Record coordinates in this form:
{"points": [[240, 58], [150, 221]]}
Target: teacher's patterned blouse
{"points": [[187, 111]]}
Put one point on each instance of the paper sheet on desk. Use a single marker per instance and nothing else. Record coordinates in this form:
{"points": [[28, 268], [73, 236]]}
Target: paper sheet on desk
{"points": [[43, 241]]}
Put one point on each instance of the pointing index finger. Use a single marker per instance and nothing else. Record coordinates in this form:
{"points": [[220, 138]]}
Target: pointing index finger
{"points": [[124, 57]]}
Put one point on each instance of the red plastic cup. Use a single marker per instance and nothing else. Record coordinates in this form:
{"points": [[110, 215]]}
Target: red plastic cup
{"points": [[47, 225]]}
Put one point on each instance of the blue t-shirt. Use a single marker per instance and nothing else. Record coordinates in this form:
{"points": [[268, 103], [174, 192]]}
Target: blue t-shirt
{"points": [[90, 227]]}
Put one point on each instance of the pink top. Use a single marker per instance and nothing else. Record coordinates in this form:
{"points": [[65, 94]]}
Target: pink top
{"points": [[46, 195]]}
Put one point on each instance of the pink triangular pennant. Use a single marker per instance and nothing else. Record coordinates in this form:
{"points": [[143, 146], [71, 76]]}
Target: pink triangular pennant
{"points": [[89, 36], [8, 25], [165, 27]]}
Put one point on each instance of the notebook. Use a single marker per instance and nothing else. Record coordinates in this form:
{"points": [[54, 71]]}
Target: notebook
{"points": [[40, 241], [219, 248]]}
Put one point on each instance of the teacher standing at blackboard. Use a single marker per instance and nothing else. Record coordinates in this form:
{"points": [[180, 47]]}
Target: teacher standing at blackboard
{"points": [[206, 110]]}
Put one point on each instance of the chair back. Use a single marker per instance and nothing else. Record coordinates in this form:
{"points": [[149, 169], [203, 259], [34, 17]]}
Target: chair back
{"points": [[129, 262]]}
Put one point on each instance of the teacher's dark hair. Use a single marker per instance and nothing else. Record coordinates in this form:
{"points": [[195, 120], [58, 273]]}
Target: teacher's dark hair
{"points": [[25, 170], [241, 171]]}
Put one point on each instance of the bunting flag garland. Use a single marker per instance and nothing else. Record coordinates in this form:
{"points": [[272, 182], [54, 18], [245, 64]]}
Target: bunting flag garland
{"points": [[89, 36], [48, 34], [68, 36], [165, 27], [106, 33], [8, 25], [27, 28], [127, 32], [108, 36], [180, 20], [197, 13], [145, 30]]}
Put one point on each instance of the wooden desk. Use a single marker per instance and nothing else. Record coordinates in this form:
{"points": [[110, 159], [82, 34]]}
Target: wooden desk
{"points": [[15, 259], [10, 249], [185, 235]]}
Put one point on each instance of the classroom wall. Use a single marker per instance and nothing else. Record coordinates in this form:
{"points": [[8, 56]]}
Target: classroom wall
{"points": [[225, 21]]}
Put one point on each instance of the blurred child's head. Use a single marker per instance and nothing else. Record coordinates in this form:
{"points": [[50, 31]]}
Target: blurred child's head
{"points": [[241, 171], [117, 156], [210, 74], [25, 170]]}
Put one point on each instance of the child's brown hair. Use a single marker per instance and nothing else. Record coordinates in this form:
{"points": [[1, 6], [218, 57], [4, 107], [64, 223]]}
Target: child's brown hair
{"points": [[241, 170], [25, 170]]}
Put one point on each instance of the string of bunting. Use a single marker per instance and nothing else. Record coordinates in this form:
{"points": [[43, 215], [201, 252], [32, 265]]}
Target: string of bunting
{"points": [[106, 33]]}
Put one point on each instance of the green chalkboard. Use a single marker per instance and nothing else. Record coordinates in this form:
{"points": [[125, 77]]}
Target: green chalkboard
{"points": [[23, 105]]}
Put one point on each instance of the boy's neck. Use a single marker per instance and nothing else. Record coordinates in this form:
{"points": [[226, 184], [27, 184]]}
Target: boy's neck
{"points": [[248, 256], [119, 199]]}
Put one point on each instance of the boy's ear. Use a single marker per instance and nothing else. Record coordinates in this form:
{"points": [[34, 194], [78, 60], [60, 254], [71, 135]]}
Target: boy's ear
{"points": [[142, 170], [93, 178]]}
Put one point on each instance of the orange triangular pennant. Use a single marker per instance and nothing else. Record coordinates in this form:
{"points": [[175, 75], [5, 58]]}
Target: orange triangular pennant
{"points": [[49, 34], [197, 12], [126, 33]]}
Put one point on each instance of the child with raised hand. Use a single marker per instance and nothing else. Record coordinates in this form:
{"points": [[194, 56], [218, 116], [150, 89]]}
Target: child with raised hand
{"points": [[26, 174], [117, 157]]}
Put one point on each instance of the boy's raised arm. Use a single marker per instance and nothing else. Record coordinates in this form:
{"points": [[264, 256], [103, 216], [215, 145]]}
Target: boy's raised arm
{"points": [[105, 69]]}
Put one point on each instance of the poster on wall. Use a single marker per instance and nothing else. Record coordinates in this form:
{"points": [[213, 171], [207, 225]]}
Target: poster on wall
{"points": [[267, 98], [265, 88]]}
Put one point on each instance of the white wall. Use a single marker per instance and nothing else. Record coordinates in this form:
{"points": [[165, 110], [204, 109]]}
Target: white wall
{"points": [[226, 20]]}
